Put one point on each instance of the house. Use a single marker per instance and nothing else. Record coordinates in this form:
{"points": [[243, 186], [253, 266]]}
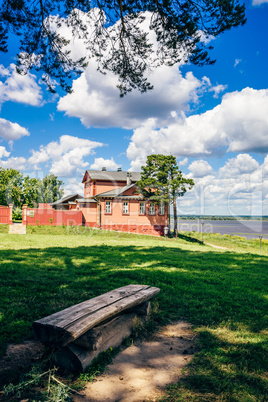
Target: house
{"points": [[113, 201], [66, 203]]}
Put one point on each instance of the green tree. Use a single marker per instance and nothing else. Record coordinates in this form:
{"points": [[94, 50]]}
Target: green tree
{"points": [[50, 189], [32, 188], [11, 187], [162, 181], [18, 190], [115, 39]]}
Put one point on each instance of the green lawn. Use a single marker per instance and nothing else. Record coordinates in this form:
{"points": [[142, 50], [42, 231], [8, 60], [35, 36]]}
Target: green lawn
{"points": [[222, 293]]}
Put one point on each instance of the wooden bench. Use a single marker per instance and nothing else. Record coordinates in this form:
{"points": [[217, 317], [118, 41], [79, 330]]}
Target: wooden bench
{"points": [[79, 333]]}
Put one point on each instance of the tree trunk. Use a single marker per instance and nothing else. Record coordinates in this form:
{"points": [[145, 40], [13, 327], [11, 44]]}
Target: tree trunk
{"points": [[175, 217]]}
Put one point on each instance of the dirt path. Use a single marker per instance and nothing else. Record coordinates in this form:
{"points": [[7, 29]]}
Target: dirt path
{"points": [[142, 371]]}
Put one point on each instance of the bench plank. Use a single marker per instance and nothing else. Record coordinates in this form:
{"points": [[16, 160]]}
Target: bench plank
{"points": [[63, 327]]}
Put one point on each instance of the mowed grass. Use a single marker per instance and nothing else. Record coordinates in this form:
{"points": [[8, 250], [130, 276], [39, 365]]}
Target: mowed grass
{"points": [[223, 294]]}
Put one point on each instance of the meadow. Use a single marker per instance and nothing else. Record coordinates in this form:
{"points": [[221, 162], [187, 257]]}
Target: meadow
{"points": [[222, 293]]}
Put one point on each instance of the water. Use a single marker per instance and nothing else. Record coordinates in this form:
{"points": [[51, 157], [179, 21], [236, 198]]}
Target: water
{"points": [[247, 228]]}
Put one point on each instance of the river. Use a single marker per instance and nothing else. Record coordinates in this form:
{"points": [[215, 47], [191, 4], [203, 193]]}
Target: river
{"points": [[247, 228]]}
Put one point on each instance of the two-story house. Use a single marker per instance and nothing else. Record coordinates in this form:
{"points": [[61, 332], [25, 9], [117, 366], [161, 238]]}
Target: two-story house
{"points": [[112, 201]]}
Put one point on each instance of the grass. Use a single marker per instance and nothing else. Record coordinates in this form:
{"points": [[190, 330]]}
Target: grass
{"points": [[222, 293]]}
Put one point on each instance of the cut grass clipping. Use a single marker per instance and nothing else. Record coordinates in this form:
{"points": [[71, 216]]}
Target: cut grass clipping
{"points": [[222, 293]]}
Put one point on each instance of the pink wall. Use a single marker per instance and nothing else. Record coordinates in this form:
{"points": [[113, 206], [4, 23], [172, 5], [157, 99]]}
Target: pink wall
{"points": [[133, 221], [5, 215], [58, 218]]}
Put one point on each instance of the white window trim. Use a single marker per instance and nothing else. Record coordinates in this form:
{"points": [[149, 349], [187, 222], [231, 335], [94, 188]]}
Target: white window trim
{"points": [[162, 209], [125, 206], [143, 208], [108, 207], [152, 209]]}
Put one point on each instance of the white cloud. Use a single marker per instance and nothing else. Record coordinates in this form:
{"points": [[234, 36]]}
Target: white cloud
{"points": [[108, 163], [240, 187], [259, 2], [238, 124], [3, 152], [217, 89], [241, 164], [73, 186], [66, 156], [95, 99], [19, 88], [18, 163], [11, 131], [200, 168], [237, 61], [184, 162]]}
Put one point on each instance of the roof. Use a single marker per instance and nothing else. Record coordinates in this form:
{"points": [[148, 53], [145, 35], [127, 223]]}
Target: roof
{"points": [[85, 200], [66, 199], [115, 192], [112, 176], [118, 192]]}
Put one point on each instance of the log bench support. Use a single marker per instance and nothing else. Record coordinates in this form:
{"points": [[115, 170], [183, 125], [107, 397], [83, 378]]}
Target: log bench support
{"points": [[79, 333]]}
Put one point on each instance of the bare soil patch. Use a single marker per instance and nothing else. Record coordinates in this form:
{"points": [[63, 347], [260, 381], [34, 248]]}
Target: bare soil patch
{"points": [[142, 371]]}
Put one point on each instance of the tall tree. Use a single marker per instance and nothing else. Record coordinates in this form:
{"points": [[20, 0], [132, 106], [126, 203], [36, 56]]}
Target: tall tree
{"points": [[162, 181], [115, 34], [18, 190], [11, 187], [50, 189], [32, 189]]}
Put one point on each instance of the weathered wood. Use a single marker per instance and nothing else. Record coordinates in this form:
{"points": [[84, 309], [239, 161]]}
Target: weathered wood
{"points": [[78, 355], [63, 327]]}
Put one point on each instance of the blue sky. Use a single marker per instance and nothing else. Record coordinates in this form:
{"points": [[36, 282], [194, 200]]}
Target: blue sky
{"points": [[214, 119]]}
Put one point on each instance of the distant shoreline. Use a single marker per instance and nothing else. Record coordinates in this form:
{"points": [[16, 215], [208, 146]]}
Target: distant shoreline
{"points": [[222, 218]]}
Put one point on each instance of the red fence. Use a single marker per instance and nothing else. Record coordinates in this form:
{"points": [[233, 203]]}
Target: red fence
{"points": [[4, 215], [49, 216]]}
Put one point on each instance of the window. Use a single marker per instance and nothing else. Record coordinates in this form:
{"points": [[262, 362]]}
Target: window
{"points": [[125, 207], [108, 207], [152, 209], [162, 209], [142, 208]]}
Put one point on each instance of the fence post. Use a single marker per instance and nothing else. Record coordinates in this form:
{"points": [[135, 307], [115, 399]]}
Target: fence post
{"points": [[10, 214], [24, 214]]}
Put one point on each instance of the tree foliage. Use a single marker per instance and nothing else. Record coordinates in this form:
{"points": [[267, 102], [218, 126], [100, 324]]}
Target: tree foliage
{"points": [[114, 35], [162, 181], [18, 190]]}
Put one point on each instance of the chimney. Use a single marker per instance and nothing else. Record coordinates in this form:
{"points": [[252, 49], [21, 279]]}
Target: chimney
{"points": [[119, 170], [129, 178], [104, 169]]}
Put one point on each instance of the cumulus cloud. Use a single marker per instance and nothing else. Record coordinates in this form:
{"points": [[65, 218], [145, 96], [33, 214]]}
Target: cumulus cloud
{"points": [[11, 131], [73, 186], [3, 152], [200, 168], [241, 164], [66, 155], [108, 163], [18, 163], [95, 98], [240, 187], [238, 124], [19, 88]]}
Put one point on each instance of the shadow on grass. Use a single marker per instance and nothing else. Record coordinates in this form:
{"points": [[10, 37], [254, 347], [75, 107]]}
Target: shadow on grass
{"points": [[207, 289]]}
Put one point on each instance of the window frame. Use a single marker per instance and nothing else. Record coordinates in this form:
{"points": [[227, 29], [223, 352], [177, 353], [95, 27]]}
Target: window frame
{"points": [[125, 203], [144, 208], [162, 209], [110, 209], [150, 211]]}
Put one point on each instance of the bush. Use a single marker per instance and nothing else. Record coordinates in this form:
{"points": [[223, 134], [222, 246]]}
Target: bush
{"points": [[17, 214]]}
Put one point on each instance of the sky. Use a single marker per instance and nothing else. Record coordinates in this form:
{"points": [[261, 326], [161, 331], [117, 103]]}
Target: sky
{"points": [[213, 119]]}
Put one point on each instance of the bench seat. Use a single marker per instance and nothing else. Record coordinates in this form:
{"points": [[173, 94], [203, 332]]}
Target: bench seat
{"points": [[66, 326]]}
